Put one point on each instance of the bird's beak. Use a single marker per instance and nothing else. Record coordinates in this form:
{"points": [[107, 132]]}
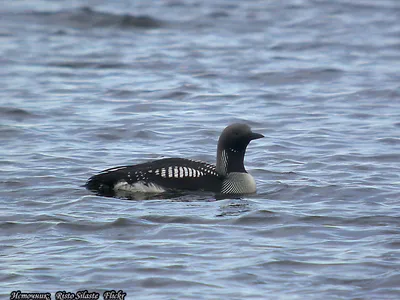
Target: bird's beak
{"points": [[255, 136]]}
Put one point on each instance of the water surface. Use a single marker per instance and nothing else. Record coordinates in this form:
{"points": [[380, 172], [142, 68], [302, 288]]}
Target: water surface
{"points": [[85, 88]]}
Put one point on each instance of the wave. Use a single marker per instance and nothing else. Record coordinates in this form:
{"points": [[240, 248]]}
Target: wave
{"points": [[86, 17]]}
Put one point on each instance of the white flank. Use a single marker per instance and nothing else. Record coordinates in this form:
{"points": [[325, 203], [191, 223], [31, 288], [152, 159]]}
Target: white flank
{"points": [[138, 187]]}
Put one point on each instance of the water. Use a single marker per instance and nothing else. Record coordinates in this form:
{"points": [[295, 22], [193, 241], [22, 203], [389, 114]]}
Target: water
{"points": [[108, 84]]}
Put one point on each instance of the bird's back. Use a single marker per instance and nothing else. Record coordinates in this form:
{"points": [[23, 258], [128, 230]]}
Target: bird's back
{"points": [[158, 176]]}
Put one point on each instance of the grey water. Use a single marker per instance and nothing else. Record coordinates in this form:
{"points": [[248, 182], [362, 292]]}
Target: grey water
{"points": [[85, 87]]}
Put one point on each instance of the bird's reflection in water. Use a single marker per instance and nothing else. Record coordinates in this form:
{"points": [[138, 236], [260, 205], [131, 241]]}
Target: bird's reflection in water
{"points": [[181, 196], [233, 205]]}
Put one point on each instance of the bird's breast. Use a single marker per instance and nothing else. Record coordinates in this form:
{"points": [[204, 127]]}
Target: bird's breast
{"points": [[238, 183]]}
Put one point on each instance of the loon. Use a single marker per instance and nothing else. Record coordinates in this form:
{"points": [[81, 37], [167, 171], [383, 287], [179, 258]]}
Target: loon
{"points": [[228, 176]]}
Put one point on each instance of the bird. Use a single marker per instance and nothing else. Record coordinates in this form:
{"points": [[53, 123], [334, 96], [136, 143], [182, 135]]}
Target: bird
{"points": [[228, 176]]}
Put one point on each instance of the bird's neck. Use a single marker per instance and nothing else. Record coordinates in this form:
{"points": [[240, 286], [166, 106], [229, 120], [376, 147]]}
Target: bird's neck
{"points": [[230, 160]]}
